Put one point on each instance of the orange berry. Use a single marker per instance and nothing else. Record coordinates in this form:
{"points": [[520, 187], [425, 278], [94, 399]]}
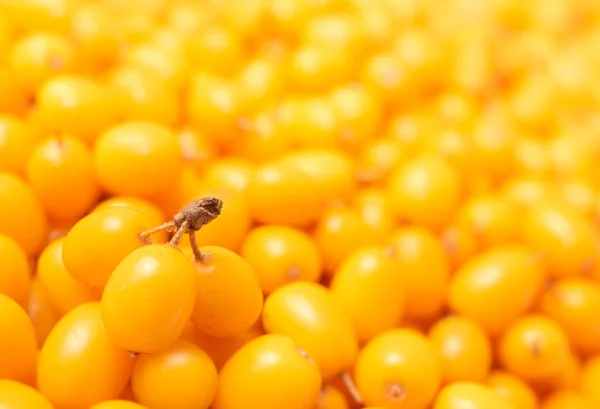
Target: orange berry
{"points": [[261, 81], [490, 218], [387, 75], [51, 15], [21, 214], [341, 231], [228, 294], [471, 394], [75, 105], [376, 209], [308, 313], [98, 242], [377, 159], [145, 97], [495, 142], [124, 168], [218, 50], [41, 311], [228, 174], [514, 390], [279, 193], [166, 64], [79, 352], [117, 404], [460, 245], [37, 57], [149, 298], [197, 149], [260, 372], [575, 304], [567, 400], [424, 268], [534, 348], [589, 379], [262, 139], [315, 67], [15, 280], [529, 190], [566, 238], [55, 167], [397, 369], [457, 149], [370, 288], [64, 291], [17, 395], [480, 288], [17, 141], [280, 255], [331, 398], [14, 100], [425, 191], [182, 376], [463, 349], [18, 349]]}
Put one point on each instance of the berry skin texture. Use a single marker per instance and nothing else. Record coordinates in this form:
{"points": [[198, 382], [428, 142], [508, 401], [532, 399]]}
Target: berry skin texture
{"points": [[15, 280], [469, 395], [534, 348], [397, 369], [480, 288], [310, 315], [79, 365], [15, 395], [99, 241], [55, 166], [22, 214], [149, 298], [137, 159], [425, 191], [271, 370], [18, 349], [463, 349], [280, 255], [513, 389], [181, 377], [370, 288], [228, 295]]}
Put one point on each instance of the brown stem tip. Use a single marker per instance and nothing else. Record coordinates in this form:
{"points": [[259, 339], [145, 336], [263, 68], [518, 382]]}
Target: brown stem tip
{"points": [[189, 220]]}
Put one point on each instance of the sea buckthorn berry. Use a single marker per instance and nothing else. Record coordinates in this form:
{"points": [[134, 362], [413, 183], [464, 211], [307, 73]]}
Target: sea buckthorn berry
{"points": [[55, 167], [460, 245], [376, 209], [99, 241], [279, 193], [178, 193], [315, 67], [41, 311], [79, 349], [15, 280], [218, 50], [425, 191], [463, 349], [331, 398], [40, 56], [424, 268], [15, 395], [64, 291], [166, 64], [339, 232], [579, 194], [308, 313], [262, 139], [50, 15], [149, 298], [471, 394], [117, 404], [332, 172], [336, 29], [124, 168], [21, 214], [145, 97], [75, 105], [534, 348], [513, 389], [398, 369], [495, 142], [566, 238], [14, 100], [480, 288], [575, 304], [197, 149], [389, 76], [17, 141], [228, 294], [490, 218], [377, 159], [261, 81], [18, 352], [183, 368], [280, 254], [532, 157], [457, 149], [228, 174], [527, 191], [370, 288], [590, 377], [259, 372], [567, 400]]}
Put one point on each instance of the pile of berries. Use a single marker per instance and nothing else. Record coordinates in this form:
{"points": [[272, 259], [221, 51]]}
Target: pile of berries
{"points": [[299, 204]]}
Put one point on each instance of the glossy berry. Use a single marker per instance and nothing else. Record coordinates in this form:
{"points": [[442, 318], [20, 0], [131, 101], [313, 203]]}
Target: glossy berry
{"points": [[513, 389], [459, 394], [149, 298], [17, 395], [15, 280], [260, 372], [17, 140]]}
